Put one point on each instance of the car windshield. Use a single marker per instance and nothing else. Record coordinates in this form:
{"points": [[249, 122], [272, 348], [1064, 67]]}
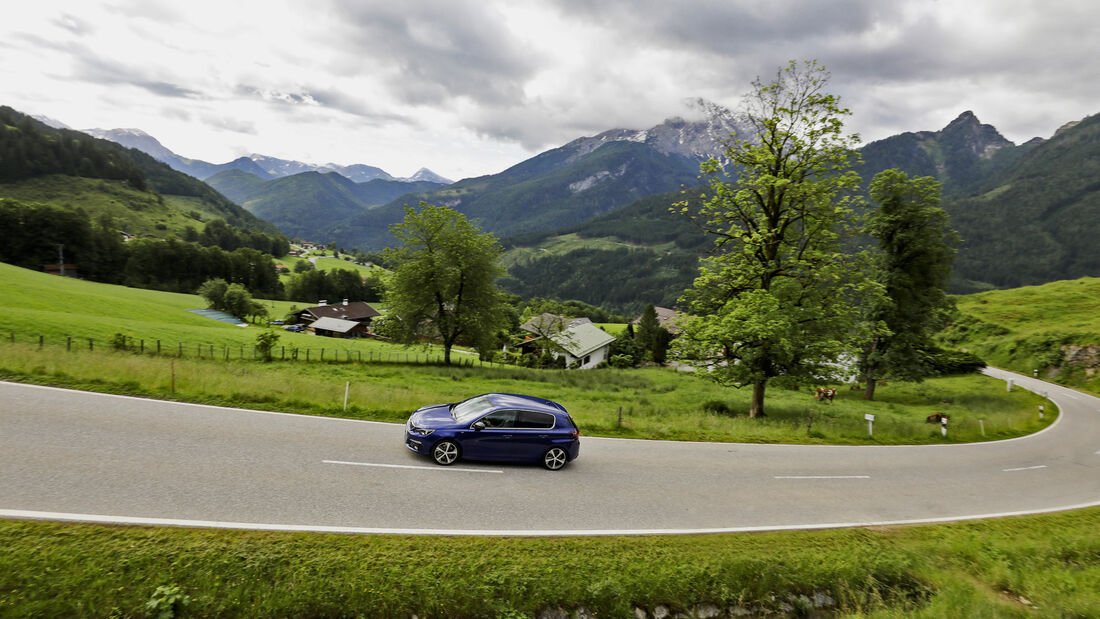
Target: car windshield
{"points": [[468, 410]]}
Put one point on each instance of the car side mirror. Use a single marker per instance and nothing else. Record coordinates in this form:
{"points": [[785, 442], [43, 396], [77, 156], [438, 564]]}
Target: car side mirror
{"points": [[478, 425]]}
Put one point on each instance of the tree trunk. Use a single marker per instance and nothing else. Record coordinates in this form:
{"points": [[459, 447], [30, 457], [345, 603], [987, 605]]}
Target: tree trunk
{"points": [[869, 392], [447, 354], [756, 409]]}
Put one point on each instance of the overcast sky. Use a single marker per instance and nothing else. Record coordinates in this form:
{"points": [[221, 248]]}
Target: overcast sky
{"points": [[470, 87]]}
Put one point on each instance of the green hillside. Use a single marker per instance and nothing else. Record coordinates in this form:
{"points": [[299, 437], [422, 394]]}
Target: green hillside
{"points": [[70, 169], [553, 190], [1025, 329]]}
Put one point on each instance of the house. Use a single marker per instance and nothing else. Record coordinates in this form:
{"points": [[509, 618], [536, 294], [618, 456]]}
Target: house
{"points": [[354, 311], [667, 318], [583, 344], [336, 327]]}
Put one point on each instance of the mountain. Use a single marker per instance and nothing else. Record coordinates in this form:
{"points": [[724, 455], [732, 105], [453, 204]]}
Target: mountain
{"points": [[304, 205], [137, 193], [963, 155], [1027, 214], [565, 186], [259, 165]]}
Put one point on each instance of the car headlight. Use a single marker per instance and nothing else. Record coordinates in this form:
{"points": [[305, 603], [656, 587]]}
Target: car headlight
{"points": [[421, 431]]}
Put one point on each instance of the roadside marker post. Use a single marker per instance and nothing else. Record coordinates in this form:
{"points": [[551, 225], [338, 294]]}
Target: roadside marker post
{"points": [[347, 385], [1040, 411], [870, 421], [981, 423], [943, 426], [1008, 384]]}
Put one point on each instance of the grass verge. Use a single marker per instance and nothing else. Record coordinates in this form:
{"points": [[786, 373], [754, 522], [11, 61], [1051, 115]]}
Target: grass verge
{"points": [[996, 568]]}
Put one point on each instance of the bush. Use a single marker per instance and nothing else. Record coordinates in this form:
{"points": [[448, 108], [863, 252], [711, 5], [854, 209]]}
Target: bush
{"points": [[717, 407], [953, 362]]}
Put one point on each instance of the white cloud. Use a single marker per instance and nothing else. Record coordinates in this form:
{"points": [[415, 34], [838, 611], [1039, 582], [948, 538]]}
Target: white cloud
{"points": [[472, 86]]}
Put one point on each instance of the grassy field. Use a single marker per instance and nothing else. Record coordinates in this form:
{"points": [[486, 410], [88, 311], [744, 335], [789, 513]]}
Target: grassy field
{"points": [[651, 403], [999, 568], [1023, 329], [563, 244]]}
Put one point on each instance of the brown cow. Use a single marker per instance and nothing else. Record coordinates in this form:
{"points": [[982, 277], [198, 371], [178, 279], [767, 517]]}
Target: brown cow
{"points": [[936, 418], [825, 394]]}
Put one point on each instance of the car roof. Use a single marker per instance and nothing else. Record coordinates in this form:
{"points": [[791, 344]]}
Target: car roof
{"points": [[528, 402]]}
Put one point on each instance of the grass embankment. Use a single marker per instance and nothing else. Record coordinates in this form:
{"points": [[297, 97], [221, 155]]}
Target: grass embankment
{"points": [[1024, 329], [654, 403], [998, 568]]}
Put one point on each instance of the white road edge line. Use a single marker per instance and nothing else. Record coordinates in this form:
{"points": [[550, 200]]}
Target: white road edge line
{"points": [[217, 524], [409, 466], [1025, 468], [823, 477]]}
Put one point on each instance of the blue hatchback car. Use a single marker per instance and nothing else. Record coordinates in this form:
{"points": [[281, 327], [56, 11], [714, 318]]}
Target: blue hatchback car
{"points": [[495, 426]]}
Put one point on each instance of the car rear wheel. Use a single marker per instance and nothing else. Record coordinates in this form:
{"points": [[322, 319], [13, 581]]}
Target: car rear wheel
{"points": [[445, 452], [555, 458]]}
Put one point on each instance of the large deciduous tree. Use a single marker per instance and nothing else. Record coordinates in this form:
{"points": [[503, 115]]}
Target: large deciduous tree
{"points": [[913, 265], [443, 281], [773, 298]]}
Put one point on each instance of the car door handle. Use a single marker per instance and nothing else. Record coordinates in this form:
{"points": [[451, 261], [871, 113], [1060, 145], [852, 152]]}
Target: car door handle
{"points": [[544, 436]]}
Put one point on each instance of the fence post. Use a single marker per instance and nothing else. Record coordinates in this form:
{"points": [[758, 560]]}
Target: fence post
{"points": [[307, 354], [13, 337], [322, 354], [41, 340], [180, 355], [90, 345], [282, 355], [68, 343], [143, 347]]}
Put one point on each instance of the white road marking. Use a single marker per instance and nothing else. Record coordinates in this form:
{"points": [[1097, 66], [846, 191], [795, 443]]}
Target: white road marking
{"points": [[1025, 468], [221, 524], [823, 477], [407, 466], [1071, 396]]}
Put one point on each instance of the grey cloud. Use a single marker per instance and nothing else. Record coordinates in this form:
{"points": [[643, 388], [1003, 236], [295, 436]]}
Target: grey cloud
{"points": [[230, 124], [431, 52], [91, 68], [73, 24]]}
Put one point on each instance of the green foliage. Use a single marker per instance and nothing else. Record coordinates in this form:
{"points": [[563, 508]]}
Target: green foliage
{"points": [[443, 285], [168, 601], [953, 362], [265, 343], [911, 267], [771, 302], [311, 285], [213, 290]]}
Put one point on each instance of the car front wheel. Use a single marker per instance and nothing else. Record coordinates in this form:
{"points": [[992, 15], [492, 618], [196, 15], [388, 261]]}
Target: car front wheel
{"points": [[445, 452], [555, 458]]}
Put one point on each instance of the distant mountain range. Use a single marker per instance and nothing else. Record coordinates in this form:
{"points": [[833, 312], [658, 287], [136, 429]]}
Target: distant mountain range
{"points": [[261, 165], [1027, 214], [308, 204]]}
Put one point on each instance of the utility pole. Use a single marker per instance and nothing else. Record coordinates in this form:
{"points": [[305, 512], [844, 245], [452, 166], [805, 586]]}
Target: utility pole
{"points": [[61, 259]]}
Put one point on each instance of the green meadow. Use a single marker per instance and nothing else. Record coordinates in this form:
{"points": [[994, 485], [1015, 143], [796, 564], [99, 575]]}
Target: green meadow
{"points": [[202, 360], [1024, 329]]}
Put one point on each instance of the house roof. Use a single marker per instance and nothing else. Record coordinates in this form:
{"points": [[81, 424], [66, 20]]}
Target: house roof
{"points": [[582, 339], [546, 323], [667, 318], [337, 325], [355, 310]]}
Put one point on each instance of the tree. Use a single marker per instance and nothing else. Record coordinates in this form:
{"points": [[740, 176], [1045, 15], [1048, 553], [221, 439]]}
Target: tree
{"points": [[443, 283], [771, 300], [916, 250], [265, 343], [647, 328], [213, 290]]}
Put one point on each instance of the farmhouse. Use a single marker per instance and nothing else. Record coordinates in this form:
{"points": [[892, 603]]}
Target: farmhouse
{"points": [[336, 327], [355, 311], [583, 344]]}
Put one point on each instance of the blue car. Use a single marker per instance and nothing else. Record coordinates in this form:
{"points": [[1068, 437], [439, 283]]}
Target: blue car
{"points": [[495, 426]]}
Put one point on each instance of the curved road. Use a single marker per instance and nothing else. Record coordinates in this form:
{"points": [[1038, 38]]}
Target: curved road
{"points": [[70, 455]]}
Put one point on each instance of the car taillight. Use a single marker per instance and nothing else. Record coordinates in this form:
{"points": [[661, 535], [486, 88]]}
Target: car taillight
{"points": [[574, 435]]}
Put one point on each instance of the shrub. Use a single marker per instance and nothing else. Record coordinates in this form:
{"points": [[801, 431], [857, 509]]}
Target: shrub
{"points": [[717, 407]]}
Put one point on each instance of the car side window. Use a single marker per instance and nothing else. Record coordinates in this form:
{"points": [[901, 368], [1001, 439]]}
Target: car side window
{"points": [[500, 419], [535, 420]]}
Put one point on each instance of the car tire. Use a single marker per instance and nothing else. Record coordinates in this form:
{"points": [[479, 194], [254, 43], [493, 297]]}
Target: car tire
{"points": [[555, 458], [445, 453]]}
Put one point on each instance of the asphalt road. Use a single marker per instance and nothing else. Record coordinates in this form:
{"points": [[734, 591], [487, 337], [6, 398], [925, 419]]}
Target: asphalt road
{"points": [[71, 455]]}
